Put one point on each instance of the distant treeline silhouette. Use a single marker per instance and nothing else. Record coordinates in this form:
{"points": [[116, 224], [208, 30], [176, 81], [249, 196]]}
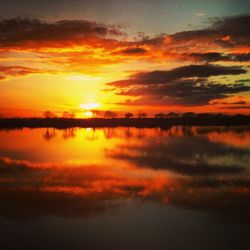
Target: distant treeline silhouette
{"points": [[111, 115], [187, 119]]}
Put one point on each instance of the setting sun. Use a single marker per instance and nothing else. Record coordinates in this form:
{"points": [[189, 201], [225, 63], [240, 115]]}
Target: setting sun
{"points": [[89, 109], [88, 114]]}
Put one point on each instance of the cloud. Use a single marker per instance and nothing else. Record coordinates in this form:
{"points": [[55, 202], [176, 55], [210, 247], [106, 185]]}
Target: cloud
{"points": [[226, 32], [185, 93], [78, 46], [19, 31], [215, 56], [235, 107], [188, 93], [241, 57], [151, 41], [133, 50], [200, 14], [230, 103], [163, 77], [230, 31], [14, 71], [85, 47], [187, 85]]}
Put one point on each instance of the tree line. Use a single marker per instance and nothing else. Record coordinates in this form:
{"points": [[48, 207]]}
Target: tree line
{"points": [[128, 115]]}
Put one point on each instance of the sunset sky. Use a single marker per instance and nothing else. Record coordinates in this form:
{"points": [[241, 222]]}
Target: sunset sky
{"points": [[144, 55]]}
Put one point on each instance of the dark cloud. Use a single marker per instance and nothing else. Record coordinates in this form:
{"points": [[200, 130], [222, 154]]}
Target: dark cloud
{"points": [[228, 31], [14, 32], [235, 107], [187, 85], [231, 103], [183, 93], [160, 77], [215, 56], [241, 57], [152, 41], [209, 57], [135, 50], [222, 33]]}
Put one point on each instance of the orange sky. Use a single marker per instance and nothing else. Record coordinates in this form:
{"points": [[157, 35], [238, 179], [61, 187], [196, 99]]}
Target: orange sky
{"points": [[62, 66]]}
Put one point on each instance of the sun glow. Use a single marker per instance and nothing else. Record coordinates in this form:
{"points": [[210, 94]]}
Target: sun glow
{"points": [[88, 114], [89, 109], [91, 105]]}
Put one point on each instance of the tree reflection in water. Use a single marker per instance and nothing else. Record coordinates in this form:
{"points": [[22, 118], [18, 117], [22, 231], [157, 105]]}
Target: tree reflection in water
{"points": [[82, 173]]}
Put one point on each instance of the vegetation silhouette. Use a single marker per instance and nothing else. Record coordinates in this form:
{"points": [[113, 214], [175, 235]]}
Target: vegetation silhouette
{"points": [[129, 115], [142, 115], [111, 120], [110, 114]]}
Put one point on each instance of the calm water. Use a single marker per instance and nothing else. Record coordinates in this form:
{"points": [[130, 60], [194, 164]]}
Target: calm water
{"points": [[125, 188]]}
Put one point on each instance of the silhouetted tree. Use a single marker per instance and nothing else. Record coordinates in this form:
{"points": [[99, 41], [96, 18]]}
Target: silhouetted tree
{"points": [[160, 115], [239, 116], [129, 115], [188, 115], [110, 114], [222, 115], [204, 115], [48, 114], [173, 115], [142, 115], [67, 114]]}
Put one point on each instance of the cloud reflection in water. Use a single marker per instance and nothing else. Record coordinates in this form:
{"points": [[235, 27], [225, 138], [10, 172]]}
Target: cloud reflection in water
{"points": [[82, 172]]}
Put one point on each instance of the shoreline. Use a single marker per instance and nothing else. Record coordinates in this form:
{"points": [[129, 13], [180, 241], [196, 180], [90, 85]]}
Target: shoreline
{"points": [[12, 123]]}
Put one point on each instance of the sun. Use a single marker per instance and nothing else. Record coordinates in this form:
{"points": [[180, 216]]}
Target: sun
{"points": [[89, 109], [89, 114]]}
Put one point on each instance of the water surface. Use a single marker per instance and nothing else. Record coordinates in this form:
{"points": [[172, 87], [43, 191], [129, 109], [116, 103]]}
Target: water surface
{"points": [[125, 188]]}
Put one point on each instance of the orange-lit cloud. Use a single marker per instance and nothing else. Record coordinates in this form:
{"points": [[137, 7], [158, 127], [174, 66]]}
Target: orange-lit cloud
{"points": [[33, 32], [71, 44], [35, 47], [16, 71]]}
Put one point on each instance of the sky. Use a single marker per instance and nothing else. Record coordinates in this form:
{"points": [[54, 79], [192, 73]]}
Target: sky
{"points": [[151, 56]]}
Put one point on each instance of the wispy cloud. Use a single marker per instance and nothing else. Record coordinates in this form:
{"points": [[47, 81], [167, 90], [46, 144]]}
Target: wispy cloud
{"points": [[200, 14]]}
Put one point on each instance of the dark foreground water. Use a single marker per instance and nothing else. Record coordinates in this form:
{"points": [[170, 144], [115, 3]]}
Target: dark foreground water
{"points": [[125, 188]]}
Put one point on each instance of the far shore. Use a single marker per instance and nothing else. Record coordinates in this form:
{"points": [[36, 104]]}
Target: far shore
{"points": [[63, 123]]}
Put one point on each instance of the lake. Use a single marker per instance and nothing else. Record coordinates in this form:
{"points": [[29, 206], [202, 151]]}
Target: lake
{"points": [[125, 188]]}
